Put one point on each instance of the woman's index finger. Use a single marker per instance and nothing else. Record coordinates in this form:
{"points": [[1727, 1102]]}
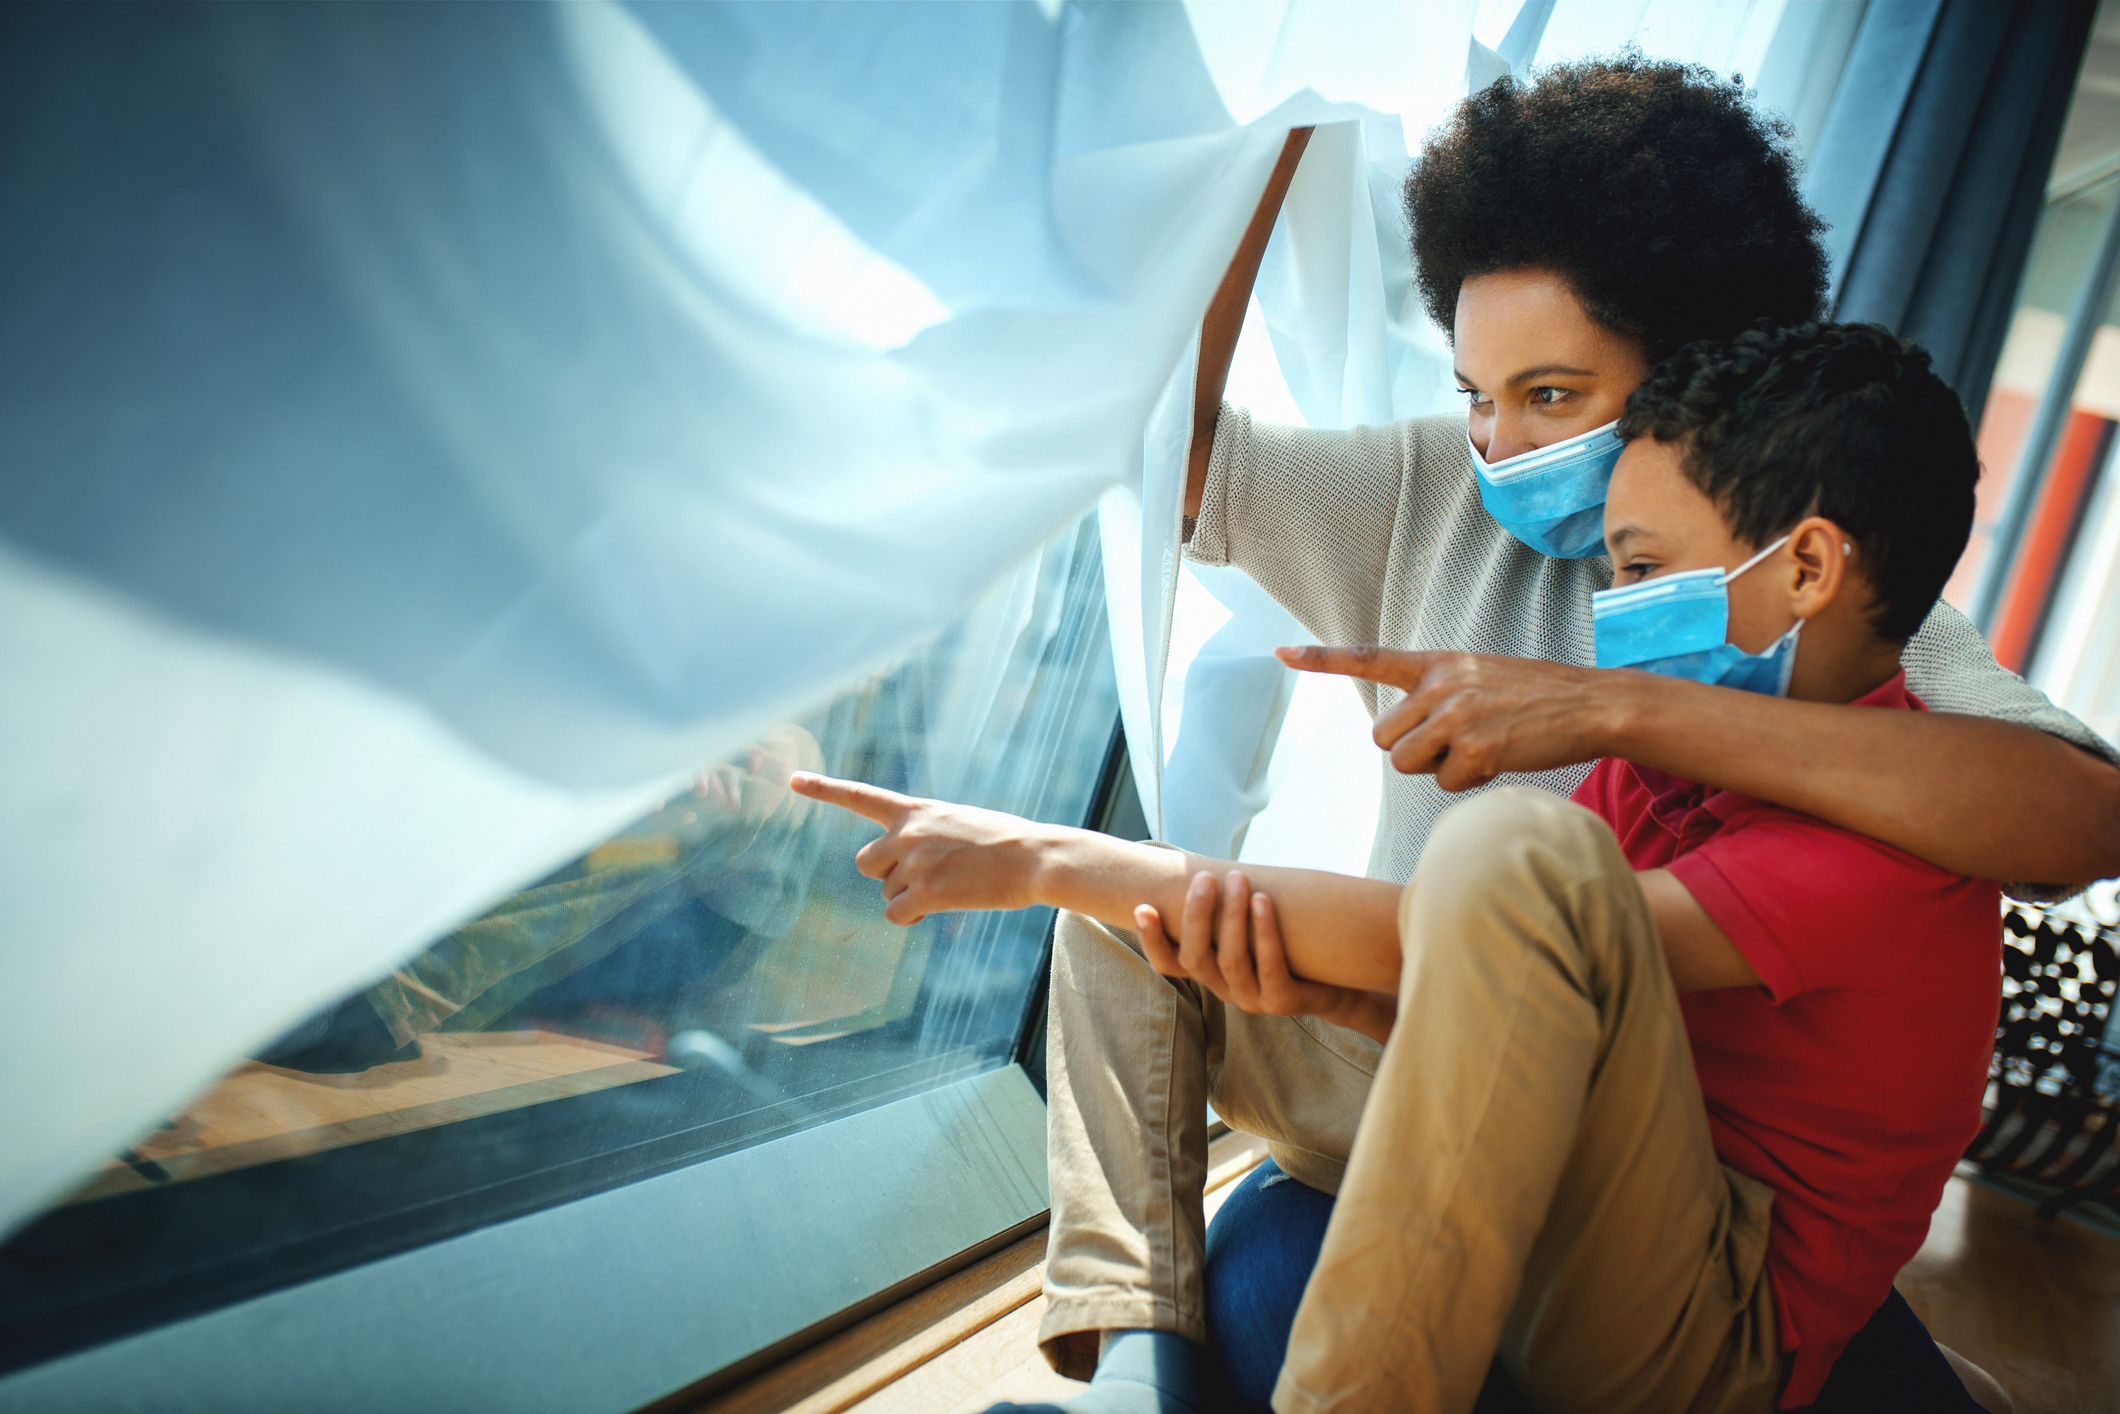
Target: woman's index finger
{"points": [[885, 807], [1359, 662], [1385, 665]]}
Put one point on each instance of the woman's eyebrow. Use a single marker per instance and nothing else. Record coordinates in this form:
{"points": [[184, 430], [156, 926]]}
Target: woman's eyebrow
{"points": [[1547, 370]]}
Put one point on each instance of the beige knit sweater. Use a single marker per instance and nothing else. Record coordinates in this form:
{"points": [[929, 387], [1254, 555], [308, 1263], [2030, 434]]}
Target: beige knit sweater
{"points": [[1377, 535]]}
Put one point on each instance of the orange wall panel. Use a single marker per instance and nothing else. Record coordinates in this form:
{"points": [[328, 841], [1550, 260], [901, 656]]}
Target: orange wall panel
{"points": [[2039, 558]]}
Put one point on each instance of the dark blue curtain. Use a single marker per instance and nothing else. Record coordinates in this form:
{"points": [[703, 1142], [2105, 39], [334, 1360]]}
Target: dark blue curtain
{"points": [[1932, 163]]}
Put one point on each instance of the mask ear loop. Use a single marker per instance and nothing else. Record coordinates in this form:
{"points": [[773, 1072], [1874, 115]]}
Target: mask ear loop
{"points": [[1753, 561]]}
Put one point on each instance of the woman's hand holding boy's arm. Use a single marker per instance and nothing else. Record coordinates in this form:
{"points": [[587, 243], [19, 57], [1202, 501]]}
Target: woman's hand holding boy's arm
{"points": [[1230, 943]]}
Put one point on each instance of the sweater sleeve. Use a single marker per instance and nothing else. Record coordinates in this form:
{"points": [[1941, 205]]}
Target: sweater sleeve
{"points": [[1308, 514], [1950, 669]]}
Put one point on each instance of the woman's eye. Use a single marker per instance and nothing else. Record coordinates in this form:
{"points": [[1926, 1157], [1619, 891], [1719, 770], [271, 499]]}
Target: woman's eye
{"points": [[1548, 395], [1473, 394]]}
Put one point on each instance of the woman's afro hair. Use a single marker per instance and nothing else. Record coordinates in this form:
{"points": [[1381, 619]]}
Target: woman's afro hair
{"points": [[1660, 195]]}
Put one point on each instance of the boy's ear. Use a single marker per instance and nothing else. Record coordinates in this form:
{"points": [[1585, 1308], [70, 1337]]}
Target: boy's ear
{"points": [[1822, 553]]}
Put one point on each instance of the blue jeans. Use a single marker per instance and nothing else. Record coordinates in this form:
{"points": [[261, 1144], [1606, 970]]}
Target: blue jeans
{"points": [[1260, 1249], [1265, 1240]]}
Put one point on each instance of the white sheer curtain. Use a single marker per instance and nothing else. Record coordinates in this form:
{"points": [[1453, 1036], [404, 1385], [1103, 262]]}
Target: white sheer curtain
{"points": [[1241, 760], [431, 430]]}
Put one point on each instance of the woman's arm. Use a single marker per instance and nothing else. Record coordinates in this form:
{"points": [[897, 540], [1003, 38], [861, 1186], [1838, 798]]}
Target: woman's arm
{"points": [[1225, 317], [1309, 514], [935, 857], [1987, 799]]}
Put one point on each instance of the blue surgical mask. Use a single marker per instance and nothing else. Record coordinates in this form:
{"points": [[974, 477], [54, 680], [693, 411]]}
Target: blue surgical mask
{"points": [[1553, 497], [1679, 625]]}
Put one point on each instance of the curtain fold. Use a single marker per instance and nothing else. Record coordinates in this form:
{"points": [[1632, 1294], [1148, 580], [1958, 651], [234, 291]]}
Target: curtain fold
{"points": [[1935, 250], [1961, 307], [1800, 72], [1842, 171]]}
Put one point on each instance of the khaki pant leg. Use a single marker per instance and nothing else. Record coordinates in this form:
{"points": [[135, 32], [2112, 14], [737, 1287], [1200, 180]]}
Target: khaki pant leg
{"points": [[1534, 1173], [1132, 1060], [1296, 1082]]}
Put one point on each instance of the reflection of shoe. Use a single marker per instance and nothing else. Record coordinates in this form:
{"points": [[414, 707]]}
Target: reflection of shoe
{"points": [[342, 1041]]}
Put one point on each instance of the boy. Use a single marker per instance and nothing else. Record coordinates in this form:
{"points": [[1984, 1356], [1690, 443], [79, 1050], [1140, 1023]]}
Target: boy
{"points": [[1639, 1202]]}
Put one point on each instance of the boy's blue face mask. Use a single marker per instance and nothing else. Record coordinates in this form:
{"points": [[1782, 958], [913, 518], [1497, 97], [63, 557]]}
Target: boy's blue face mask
{"points": [[1679, 626], [1553, 497]]}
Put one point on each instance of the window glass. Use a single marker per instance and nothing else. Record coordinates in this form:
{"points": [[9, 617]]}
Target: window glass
{"points": [[714, 975], [2040, 518]]}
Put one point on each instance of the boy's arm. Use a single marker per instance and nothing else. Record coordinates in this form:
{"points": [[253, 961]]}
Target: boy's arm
{"points": [[934, 857], [1233, 949], [1246, 964], [1700, 955], [1328, 942]]}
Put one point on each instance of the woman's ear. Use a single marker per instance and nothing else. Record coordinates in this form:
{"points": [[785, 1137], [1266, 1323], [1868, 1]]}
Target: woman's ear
{"points": [[1820, 551]]}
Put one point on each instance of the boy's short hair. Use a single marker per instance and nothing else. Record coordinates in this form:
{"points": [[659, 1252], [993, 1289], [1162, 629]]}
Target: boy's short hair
{"points": [[1843, 421], [1665, 199]]}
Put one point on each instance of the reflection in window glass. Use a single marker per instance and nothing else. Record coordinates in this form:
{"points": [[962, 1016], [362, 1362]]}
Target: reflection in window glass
{"points": [[2077, 211], [2048, 579], [2071, 227], [714, 975]]}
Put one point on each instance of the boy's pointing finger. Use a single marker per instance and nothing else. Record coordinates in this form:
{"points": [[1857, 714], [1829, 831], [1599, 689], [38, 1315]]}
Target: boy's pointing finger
{"points": [[885, 807]]}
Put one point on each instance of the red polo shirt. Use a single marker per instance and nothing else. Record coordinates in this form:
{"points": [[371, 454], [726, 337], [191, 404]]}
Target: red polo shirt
{"points": [[1850, 1080]]}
